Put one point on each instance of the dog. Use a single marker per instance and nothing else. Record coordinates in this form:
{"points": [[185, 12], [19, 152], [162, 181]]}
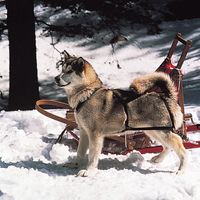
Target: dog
{"points": [[102, 112]]}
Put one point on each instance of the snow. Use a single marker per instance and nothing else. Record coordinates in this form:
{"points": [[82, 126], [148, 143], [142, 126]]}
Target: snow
{"points": [[31, 165]]}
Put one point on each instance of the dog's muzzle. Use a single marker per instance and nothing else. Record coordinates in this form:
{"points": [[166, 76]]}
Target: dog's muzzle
{"points": [[58, 81]]}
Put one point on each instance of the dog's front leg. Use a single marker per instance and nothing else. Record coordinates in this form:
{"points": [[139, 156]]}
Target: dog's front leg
{"points": [[95, 147], [80, 160], [82, 148]]}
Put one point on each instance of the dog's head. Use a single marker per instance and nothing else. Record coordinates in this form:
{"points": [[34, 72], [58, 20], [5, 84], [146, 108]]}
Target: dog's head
{"points": [[76, 73], [71, 70]]}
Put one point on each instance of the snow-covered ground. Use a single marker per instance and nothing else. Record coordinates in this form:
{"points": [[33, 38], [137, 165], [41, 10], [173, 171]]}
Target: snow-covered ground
{"points": [[31, 165]]}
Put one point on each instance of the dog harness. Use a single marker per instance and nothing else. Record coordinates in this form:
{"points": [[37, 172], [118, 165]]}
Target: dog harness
{"points": [[126, 96]]}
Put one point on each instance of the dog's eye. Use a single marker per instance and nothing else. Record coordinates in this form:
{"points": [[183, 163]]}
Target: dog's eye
{"points": [[67, 69], [69, 72]]}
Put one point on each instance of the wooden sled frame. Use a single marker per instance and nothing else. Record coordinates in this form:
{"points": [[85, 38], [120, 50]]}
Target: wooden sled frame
{"points": [[177, 77], [175, 72], [129, 143]]}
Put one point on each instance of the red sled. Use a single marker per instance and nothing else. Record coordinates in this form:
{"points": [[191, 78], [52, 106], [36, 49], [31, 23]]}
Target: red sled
{"points": [[137, 140]]}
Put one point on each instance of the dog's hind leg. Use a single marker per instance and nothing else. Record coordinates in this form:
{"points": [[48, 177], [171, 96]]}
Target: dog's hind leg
{"points": [[176, 143], [160, 157], [159, 136], [169, 141], [95, 147]]}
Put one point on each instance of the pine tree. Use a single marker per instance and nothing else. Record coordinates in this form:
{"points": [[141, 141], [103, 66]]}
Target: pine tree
{"points": [[23, 91]]}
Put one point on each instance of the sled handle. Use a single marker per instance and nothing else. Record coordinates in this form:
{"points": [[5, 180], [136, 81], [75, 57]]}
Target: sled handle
{"points": [[69, 120], [187, 44]]}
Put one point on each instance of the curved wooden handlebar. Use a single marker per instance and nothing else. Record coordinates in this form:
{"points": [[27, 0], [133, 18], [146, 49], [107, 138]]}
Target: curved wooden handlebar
{"points": [[69, 120]]}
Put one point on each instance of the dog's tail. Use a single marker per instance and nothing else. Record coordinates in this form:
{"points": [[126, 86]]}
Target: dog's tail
{"points": [[148, 82], [161, 80]]}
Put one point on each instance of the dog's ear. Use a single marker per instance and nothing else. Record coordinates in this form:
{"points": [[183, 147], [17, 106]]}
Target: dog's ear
{"points": [[66, 55], [80, 62], [78, 66]]}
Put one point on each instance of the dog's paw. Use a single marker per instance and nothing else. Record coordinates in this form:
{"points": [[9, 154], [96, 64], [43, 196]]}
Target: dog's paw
{"points": [[82, 173], [180, 172], [71, 165], [86, 172], [156, 159]]}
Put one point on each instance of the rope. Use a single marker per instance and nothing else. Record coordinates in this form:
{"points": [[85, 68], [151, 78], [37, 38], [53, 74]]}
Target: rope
{"points": [[179, 80], [50, 32], [52, 42]]}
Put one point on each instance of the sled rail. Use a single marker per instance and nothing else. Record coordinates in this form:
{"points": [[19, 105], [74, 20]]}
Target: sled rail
{"points": [[158, 149]]}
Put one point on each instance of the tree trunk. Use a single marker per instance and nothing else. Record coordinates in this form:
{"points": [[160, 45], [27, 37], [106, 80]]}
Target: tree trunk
{"points": [[23, 91]]}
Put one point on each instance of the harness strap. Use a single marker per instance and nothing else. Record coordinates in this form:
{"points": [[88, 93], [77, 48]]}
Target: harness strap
{"points": [[149, 128], [80, 104], [128, 128]]}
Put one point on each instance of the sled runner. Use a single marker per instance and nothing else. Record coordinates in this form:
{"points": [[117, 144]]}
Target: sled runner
{"points": [[137, 140]]}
